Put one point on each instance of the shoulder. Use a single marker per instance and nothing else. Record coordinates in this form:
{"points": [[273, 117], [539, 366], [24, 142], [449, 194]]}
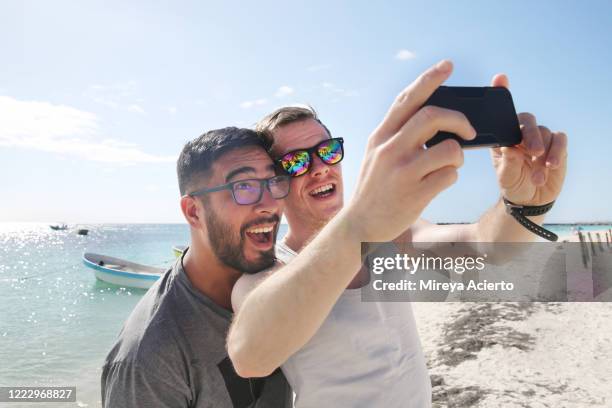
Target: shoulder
{"points": [[145, 358], [247, 282], [152, 340], [126, 383], [149, 326]]}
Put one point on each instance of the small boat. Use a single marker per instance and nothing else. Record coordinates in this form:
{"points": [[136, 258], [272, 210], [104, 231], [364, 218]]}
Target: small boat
{"points": [[178, 250], [59, 227], [82, 231], [121, 272]]}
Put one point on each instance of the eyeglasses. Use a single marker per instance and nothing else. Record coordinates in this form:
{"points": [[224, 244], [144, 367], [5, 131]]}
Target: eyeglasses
{"points": [[248, 192], [298, 162]]}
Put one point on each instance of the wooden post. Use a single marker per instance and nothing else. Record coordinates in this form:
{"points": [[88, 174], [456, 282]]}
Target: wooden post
{"points": [[584, 249], [599, 242], [592, 242]]}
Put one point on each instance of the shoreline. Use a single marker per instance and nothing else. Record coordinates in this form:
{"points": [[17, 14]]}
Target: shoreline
{"points": [[600, 235]]}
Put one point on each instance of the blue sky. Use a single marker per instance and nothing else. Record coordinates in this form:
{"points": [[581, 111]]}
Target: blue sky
{"points": [[98, 98]]}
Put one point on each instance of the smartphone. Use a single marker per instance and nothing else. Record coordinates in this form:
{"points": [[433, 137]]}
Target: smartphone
{"points": [[490, 110]]}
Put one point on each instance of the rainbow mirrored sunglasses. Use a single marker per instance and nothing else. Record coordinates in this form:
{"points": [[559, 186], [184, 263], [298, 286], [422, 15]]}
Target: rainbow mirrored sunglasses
{"points": [[298, 162]]}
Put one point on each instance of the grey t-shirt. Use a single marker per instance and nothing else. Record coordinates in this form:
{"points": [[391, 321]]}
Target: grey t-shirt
{"points": [[171, 353]]}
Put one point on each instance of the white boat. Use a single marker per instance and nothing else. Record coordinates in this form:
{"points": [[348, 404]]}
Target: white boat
{"points": [[121, 272]]}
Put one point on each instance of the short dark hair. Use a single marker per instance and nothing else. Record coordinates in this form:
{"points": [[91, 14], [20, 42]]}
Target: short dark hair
{"points": [[199, 154], [283, 117]]}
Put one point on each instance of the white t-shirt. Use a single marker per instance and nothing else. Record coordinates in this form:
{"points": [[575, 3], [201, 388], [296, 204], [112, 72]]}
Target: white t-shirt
{"points": [[365, 354]]}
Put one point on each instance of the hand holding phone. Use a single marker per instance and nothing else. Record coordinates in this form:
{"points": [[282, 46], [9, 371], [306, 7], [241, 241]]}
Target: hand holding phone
{"points": [[490, 110]]}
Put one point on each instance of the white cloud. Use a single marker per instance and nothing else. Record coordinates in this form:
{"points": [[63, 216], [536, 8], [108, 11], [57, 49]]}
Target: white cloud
{"points": [[404, 55], [283, 91], [250, 104], [172, 110], [106, 102], [337, 91], [119, 96], [319, 67], [64, 130], [136, 109]]}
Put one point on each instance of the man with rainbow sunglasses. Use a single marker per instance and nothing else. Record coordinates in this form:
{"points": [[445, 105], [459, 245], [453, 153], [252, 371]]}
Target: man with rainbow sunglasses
{"points": [[307, 317]]}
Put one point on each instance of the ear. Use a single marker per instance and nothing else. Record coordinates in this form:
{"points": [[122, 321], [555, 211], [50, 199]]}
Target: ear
{"points": [[189, 207]]}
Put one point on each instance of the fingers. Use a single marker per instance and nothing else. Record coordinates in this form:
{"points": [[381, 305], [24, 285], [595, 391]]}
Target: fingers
{"points": [[445, 154], [439, 180], [500, 80], [532, 139], [510, 167], [557, 151], [410, 100], [426, 123], [540, 170], [512, 154]]}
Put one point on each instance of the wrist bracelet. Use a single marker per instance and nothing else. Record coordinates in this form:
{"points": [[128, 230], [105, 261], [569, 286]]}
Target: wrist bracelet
{"points": [[519, 212]]}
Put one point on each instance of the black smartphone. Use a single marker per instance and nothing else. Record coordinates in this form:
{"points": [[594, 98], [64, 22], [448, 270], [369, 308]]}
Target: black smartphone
{"points": [[490, 110]]}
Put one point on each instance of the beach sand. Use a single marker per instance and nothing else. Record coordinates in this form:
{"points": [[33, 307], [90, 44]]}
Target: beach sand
{"points": [[519, 354], [601, 234]]}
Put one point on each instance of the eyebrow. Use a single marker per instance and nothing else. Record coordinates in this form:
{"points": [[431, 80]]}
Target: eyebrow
{"points": [[245, 169]]}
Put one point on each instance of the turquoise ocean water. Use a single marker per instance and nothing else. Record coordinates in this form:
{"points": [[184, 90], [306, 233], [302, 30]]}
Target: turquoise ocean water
{"points": [[57, 322]]}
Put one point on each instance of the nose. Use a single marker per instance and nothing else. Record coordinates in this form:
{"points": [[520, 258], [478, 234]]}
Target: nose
{"points": [[268, 204], [319, 169]]}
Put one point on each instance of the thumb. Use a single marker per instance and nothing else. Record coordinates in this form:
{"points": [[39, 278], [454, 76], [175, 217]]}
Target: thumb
{"points": [[500, 80]]}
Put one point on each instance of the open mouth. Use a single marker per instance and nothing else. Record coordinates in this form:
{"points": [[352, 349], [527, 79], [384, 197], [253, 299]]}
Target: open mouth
{"points": [[323, 191], [261, 235]]}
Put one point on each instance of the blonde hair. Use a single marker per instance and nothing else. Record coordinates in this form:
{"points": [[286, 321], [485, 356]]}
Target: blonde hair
{"points": [[284, 116]]}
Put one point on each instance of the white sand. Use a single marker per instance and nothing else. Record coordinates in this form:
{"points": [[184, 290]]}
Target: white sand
{"points": [[527, 355], [567, 360]]}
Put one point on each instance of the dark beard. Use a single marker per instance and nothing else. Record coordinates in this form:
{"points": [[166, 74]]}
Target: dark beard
{"points": [[231, 250]]}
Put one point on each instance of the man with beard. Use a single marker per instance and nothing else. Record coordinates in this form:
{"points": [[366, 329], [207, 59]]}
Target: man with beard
{"points": [[335, 349], [171, 351]]}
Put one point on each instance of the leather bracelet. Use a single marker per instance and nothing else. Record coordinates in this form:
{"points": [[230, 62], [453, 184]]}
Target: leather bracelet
{"points": [[519, 212]]}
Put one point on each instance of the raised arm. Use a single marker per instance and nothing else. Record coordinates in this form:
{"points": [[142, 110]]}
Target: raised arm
{"points": [[531, 173], [495, 225], [398, 179]]}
